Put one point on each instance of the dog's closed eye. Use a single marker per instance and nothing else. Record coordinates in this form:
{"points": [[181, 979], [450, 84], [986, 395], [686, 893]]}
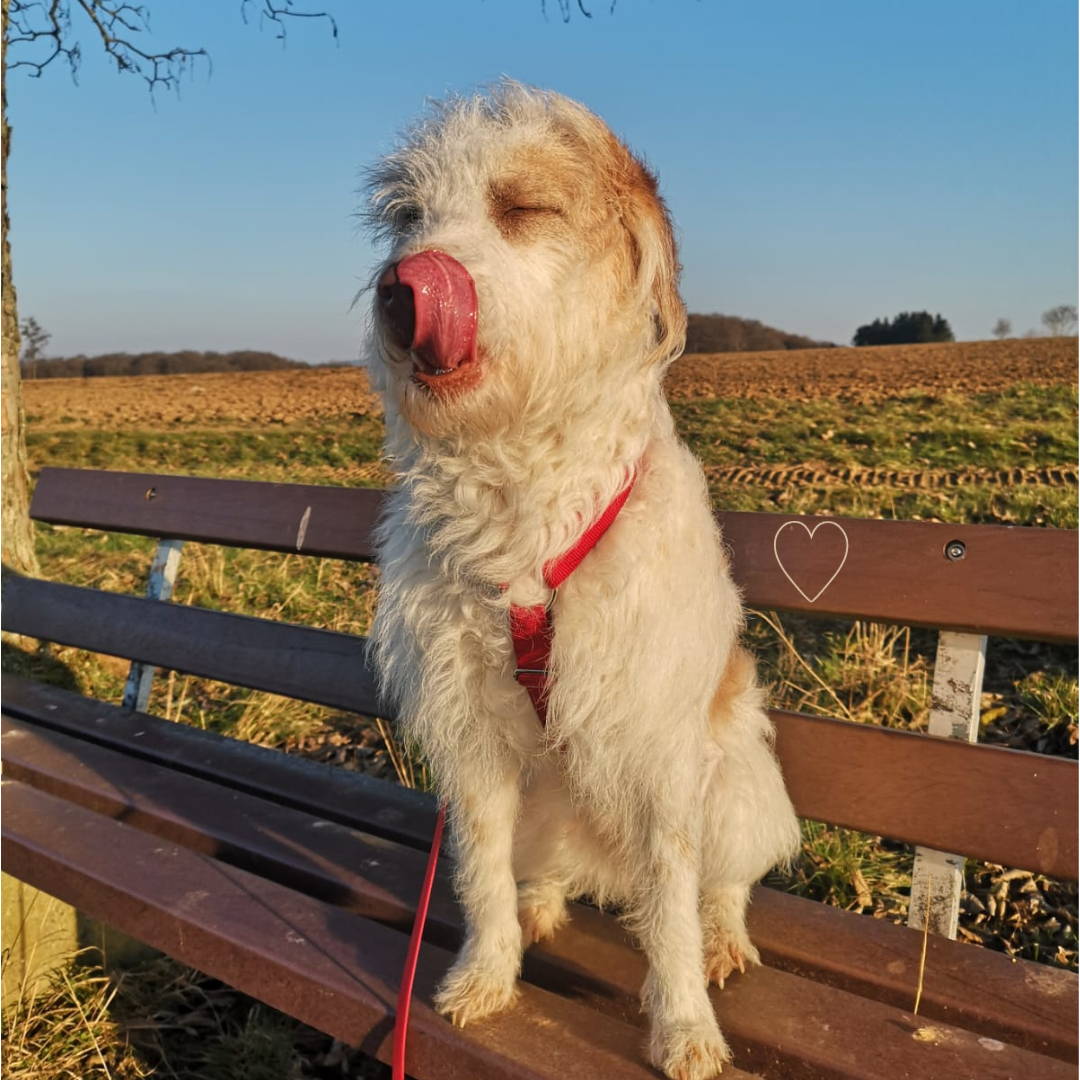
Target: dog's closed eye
{"points": [[522, 221], [514, 211], [520, 207]]}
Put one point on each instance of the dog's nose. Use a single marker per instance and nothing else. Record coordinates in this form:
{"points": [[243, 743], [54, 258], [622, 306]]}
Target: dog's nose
{"points": [[398, 306], [429, 302]]}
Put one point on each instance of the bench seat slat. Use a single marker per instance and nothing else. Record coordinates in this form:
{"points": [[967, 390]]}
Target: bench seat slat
{"points": [[791, 1027], [1032, 1005], [180, 896], [332, 970], [339, 795], [891, 783], [348, 867], [1018, 582], [1019, 1003]]}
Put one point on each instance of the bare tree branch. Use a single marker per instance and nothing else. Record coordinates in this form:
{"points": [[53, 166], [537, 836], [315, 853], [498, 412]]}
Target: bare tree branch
{"points": [[47, 26], [113, 21], [22, 30], [277, 12], [566, 9], [158, 69]]}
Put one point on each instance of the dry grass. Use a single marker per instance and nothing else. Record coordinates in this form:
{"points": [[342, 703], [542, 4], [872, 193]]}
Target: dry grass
{"points": [[67, 1031], [409, 767], [161, 1019], [866, 674], [871, 673]]}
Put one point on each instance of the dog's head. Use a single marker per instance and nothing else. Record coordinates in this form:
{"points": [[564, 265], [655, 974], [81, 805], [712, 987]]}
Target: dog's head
{"points": [[530, 257]]}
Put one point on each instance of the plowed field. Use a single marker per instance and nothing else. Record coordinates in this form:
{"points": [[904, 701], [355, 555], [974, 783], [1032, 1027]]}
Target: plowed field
{"points": [[870, 374], [289, 397], [250, 398]]}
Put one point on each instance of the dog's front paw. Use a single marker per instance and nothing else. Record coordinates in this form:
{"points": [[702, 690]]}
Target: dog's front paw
{"points": [[724, 953], [469, 992], [689, 1051]]}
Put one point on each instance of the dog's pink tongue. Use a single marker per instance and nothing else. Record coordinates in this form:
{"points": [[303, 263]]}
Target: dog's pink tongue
{"points": [[444, 298]]}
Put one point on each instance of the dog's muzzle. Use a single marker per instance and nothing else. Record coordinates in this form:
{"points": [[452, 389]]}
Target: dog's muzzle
{"points": [[428, 303]]}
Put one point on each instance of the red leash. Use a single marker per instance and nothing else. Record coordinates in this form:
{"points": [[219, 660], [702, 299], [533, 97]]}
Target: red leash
{"points": [[531, 630], [401, 1021]]}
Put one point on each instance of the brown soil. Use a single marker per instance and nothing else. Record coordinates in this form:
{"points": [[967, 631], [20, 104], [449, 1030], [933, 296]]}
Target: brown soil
{"points": [[255, 397], [865, 476], [873, 373], [287, 397]]}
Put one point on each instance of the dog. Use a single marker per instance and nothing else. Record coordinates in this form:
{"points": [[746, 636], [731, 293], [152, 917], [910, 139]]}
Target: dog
{"points": [[522, 324]]}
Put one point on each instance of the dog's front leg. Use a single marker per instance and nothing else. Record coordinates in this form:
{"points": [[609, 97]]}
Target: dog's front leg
{"points": [[684, 1039], [483, 808]]}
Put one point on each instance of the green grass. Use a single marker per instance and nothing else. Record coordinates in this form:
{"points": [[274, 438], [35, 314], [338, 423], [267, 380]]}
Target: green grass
{"points": [[255, 454], [850, 870], [1027, 427], [1032, 505]]}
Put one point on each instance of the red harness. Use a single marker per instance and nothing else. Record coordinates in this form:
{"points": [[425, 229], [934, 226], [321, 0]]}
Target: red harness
{"points": [[530, 627], [531, 630]]}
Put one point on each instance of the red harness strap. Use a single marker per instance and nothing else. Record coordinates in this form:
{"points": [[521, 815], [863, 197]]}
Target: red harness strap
{"points": [[530, 627]]}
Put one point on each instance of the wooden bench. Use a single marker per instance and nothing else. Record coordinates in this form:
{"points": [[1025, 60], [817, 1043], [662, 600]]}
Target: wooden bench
{"points": [[295, 882]]}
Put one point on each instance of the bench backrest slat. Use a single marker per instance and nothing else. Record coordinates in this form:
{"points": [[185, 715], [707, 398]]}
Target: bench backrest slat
{"points": [[321, 666], [311, 520], [1010, 581], [933, 791], [913, 788]]}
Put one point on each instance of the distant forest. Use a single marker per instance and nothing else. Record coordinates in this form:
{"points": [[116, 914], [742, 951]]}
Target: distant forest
{"points": [[705, 334], [729, 333], [155, 363]]}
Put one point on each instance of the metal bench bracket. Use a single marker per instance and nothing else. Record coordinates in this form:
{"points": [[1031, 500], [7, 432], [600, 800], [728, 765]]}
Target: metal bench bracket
{"points": [[937, 878], [159, 587]]}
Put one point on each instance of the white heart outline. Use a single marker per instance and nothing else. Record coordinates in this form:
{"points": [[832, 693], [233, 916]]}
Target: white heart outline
{"points": [[810, 533]]}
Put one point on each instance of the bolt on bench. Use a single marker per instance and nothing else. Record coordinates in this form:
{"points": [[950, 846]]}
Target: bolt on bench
{"points": [[295, 882]]}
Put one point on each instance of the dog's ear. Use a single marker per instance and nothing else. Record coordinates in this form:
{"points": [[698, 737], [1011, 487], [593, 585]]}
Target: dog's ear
{"points": [[656, 263]]}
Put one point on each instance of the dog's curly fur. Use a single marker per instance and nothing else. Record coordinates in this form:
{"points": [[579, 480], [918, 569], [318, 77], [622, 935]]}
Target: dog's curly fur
{"points": [[653, 785]]}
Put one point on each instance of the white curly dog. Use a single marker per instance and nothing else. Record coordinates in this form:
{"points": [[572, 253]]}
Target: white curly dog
{"points": [[522, 325]]}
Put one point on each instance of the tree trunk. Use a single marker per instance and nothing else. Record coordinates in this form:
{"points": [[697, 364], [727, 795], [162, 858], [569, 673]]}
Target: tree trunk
{"points": [[18, 529]]}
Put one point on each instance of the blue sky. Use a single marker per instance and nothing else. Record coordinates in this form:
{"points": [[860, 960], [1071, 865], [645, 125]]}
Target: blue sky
{"points": [[826, 161]]}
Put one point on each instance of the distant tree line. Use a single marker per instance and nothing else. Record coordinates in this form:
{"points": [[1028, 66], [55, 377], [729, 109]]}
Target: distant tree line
{"points": [[729, 333], [188, 362], [908, 328]]}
